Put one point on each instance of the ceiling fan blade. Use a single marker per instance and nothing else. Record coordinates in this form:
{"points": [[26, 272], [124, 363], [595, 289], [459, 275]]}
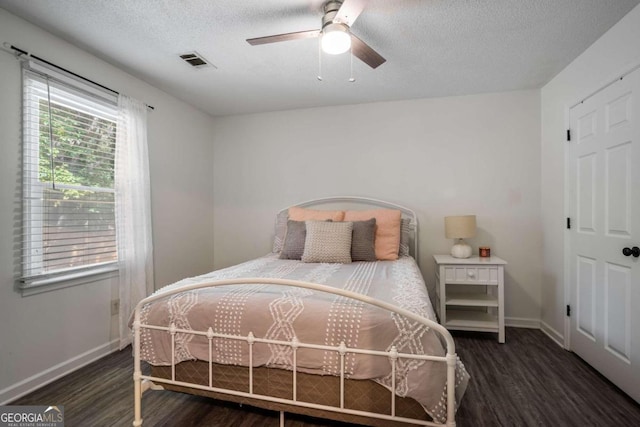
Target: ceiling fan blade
{"points": [[349, 11], [283, 37], [365, 53]]}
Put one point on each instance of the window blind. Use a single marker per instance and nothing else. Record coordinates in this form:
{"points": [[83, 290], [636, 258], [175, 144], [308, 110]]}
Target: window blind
{"points": [[68, 218]]}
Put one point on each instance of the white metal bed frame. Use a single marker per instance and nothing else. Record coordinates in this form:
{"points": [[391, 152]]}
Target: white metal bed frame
{"points": [[143, 383]]}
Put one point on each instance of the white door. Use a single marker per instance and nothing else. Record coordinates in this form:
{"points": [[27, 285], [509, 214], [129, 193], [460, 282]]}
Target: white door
{"points": [[603, 183]]}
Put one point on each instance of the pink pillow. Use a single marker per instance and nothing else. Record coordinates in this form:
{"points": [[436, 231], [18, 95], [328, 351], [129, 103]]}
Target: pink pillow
{"points": [[302, 214], [387, 242]]}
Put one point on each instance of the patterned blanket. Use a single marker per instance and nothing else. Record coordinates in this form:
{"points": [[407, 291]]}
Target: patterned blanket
{"points": [[280, 313]]}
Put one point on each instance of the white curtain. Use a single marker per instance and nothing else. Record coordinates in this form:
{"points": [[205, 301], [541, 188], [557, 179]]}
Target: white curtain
{"points": [[133, 210]]}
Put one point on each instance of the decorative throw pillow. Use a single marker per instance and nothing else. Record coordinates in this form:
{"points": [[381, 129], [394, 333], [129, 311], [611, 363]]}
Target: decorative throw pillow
{"points": [[302, 214], [293, 246], [387, 230], [405, 232], [363, 240], [280, 231], [328, 242]]}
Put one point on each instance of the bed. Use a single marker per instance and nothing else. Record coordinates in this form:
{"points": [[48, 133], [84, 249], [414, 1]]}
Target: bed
{"points": [[349, 341]]}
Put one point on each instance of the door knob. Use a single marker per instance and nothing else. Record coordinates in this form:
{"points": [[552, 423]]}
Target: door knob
{"points": [[635, 251]]}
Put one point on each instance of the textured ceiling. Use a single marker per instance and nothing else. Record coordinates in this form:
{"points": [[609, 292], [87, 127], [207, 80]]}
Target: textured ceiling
{"points": [[433, 47]]}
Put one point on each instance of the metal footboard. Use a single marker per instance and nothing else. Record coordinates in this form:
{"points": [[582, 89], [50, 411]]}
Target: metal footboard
{"points": [[143, 383]]}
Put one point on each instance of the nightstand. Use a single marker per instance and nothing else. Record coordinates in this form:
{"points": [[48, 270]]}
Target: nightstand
{"points": [[466, 310]]}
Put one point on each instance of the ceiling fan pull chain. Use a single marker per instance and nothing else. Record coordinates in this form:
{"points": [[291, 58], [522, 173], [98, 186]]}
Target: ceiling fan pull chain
{"points": [[351, 78], [320, 58]]}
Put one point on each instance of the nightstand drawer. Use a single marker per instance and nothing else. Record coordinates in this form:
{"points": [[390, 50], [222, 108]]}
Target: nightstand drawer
{"points": [[471, 275]]}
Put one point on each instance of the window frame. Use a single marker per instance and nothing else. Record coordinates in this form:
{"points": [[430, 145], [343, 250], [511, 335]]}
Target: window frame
{"points": [[81, 97]]}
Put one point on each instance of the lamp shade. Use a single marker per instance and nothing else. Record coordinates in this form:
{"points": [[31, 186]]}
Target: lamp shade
{"points": [[460, 227]]}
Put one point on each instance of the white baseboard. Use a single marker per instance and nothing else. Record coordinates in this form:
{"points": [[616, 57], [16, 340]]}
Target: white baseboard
{"points": [[47, 376], [519, 322], [556, 336]]}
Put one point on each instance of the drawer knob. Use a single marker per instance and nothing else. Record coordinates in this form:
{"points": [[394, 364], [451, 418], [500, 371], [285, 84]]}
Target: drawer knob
{"points": [[471, 273]]}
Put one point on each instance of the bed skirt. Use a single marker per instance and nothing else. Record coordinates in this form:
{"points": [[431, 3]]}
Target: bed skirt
{"points": [[364, 395]]}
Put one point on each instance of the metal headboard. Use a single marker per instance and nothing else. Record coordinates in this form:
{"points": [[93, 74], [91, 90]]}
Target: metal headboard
{"points": [[366, 201]]}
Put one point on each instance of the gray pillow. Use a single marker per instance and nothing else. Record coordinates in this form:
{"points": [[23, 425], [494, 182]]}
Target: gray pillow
{"points": [[280, 230], [328, 242], [405, 231], [294, 238], [363, 240]]}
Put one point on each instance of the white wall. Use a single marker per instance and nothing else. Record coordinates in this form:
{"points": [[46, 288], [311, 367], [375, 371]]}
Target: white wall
{"points": [[45, 335], [613, 53], [460, 155]]}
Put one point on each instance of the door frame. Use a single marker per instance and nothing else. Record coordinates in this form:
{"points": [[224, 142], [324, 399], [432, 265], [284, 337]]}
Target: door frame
{"points": [[566, 200]]}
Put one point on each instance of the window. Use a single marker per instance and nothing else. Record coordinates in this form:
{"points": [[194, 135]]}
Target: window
{"points": [[68, 178]]}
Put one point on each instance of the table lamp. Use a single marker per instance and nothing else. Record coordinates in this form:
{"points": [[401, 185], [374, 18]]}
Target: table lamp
{"points": [[460, 227]]}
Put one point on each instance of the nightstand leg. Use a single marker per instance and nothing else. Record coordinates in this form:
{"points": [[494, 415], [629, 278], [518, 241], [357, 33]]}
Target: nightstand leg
{"points": [[443, 296], [501, 305]]}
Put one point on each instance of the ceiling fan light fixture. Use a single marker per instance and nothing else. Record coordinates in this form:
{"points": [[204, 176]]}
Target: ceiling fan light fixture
{"points": [[336, 39]]}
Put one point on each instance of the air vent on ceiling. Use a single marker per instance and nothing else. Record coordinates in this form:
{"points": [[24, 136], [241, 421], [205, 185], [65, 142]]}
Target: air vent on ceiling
{"points": [[196, 60]]}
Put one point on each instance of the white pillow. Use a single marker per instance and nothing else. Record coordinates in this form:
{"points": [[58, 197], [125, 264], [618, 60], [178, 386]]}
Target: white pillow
{"points": [[328, 242]]}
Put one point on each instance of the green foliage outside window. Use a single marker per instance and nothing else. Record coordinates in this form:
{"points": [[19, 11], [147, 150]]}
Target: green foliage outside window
{"points": [[82, 151], [78, 225]]}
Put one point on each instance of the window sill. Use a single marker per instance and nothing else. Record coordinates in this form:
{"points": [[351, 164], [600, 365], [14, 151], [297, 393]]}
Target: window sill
{"points": [[68, 280]]}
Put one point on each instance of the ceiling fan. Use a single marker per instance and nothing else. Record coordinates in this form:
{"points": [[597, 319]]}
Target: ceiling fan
{"points": [[335, 33]]}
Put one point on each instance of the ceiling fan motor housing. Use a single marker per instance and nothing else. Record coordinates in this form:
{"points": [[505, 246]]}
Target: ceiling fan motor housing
{"points": [[330, 11]]}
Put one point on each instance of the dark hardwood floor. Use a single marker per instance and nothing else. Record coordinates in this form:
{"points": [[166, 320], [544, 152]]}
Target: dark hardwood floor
{"points": [[529, 381]]}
